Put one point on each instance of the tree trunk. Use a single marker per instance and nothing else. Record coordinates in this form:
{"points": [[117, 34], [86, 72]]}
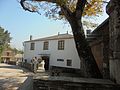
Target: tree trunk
{"points": [[84, 50]]}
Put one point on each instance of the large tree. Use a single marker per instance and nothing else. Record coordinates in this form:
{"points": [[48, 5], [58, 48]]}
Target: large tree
{"points": [[4, 39], [72, 11]]}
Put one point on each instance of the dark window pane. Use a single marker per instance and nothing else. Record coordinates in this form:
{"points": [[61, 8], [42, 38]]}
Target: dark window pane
{"points": [[60, 59], [45, 46], [69, 62], [61, 45], [32, 46]]}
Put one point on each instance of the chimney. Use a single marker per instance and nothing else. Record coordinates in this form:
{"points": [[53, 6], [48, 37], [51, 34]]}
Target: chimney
{"points": [[58, 33], [67, 32], [30, 37]]}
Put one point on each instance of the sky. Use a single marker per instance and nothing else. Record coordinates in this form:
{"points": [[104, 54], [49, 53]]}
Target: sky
{"points": [[21, 24]]}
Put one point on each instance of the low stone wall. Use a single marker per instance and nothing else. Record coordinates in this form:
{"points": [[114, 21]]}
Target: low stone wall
{"points": [[26, 65], [27, 85], [63, 71], [64, 84], [12, 62]]}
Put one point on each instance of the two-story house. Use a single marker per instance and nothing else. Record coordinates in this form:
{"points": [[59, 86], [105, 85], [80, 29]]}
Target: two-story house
{"points": [[58, 50], [8, 55]]}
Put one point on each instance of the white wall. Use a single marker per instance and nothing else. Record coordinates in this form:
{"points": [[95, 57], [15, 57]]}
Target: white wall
{"points": [[69, 52]]}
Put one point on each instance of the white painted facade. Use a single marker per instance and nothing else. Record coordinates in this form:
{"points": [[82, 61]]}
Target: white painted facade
{"points": [[69, 51]]}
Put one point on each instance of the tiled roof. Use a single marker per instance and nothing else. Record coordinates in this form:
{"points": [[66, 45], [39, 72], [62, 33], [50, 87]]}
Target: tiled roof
{"points": [[55, 37], [98, 29], [98, 32]]}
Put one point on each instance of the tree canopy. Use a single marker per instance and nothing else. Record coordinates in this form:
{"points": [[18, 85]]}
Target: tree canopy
{"points": [[53, 8], [4, 39]]}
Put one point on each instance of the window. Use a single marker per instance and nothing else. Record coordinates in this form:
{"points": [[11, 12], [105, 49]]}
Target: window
{"points": [[32, 46], [45, 46], [60, 60], [69, 62], [61, 45], [8, 53]]}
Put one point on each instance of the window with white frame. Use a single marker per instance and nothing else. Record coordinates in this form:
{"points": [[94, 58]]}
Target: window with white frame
{"points": [[45, 46], [61, 45], [32, 46]]}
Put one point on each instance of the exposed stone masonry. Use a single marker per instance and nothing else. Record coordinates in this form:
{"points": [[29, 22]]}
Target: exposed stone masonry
{"points": [[113, 9], [69, 83]]}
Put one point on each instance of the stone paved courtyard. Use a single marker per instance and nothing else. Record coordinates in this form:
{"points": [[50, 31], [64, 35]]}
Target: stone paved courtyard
{"points": [[13, 77]]}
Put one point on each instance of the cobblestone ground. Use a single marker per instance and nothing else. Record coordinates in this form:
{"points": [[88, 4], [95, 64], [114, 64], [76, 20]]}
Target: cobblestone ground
{"points": [[12, 77]]}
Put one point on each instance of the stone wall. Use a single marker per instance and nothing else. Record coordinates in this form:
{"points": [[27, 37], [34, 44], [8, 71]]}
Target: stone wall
{"points": [[100, 47], [27, 84], [113, 9], [26, 65], [83, 84]]}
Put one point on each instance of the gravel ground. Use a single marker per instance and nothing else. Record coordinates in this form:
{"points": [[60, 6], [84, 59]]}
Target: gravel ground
{"points": [[12, 77]]}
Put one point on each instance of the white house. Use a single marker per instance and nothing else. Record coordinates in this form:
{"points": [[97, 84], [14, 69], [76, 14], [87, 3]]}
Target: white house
{"points": [[58, 50]]}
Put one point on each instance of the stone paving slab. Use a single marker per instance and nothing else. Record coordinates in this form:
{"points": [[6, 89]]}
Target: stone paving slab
{"points": [[12, 77]]}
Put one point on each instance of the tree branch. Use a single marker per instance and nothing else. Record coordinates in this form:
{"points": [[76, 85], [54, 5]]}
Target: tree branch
{"points": [[52, 1], [66, 11], [80, 5], [22, 2], [25, 8], [79, 8]]}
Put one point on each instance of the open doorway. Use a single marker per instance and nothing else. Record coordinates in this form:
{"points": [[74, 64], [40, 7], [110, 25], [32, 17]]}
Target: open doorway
{"points": [[7, 60], [46, 60]]}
